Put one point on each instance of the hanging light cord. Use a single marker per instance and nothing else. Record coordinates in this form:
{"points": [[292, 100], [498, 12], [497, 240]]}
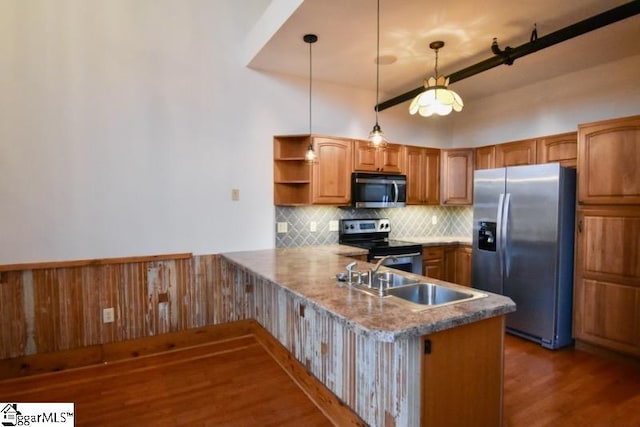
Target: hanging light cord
{"points": [[378, 62], [436, 68], [310, 80]]}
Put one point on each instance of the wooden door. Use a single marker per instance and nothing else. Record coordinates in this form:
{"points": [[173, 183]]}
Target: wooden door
{"points": [[516, 153], [433, 262], [608, 161], [431, 178], [364, 157], [463, 265], [332, 171], [561, 148], [462, 375], [457, 177], [485, 157], [607, 278], [390, 159], [414, 169]]}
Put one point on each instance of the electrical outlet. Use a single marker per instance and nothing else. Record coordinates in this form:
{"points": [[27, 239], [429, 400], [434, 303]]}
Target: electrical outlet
{"points": [[107, 315], [235, 194], [334, 226], [313, 226], [282, 227], [434, 220]]}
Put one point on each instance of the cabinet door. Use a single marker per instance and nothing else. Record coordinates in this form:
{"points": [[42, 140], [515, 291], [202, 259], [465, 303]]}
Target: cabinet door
{"points": [[414, 166], [332, 171], [516, 153], [457, 177], [390, 159], [485, 157], [561, 148], [431, 178], [364, 157], [607, 278], [463, 266], [433, 262], [462, 375], [608, 159]]}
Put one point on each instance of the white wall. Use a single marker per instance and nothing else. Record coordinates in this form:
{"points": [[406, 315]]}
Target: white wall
{"points": [[555, 106], [124, 125]]}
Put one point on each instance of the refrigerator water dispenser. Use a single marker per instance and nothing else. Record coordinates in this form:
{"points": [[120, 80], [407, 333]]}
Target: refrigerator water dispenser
{"points": [[487, 236]]}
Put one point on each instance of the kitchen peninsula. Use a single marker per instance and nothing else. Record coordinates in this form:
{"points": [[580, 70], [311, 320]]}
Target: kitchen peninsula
{"points": [[391, 365]]}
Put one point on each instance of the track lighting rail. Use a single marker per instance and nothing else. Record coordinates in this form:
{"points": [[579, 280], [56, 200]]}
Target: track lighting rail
{"points": [[535, 44]]}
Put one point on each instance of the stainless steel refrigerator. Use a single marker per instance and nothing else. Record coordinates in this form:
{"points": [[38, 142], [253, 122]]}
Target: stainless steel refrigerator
{"points": [[523, 234]]}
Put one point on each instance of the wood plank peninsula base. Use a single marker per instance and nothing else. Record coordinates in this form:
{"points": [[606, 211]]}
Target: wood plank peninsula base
{"points": [[394, 367]]}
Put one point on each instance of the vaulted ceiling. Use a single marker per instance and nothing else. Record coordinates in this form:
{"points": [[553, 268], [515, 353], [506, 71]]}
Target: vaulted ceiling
{"points": [[346, 49]]}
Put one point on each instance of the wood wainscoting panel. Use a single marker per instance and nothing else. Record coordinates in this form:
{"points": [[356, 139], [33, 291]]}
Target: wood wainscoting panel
{"points": [[56, 308], [379, 380]]}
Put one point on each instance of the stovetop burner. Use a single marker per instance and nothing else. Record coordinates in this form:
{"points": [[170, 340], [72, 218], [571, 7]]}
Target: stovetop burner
{"points": [[373, 234]]}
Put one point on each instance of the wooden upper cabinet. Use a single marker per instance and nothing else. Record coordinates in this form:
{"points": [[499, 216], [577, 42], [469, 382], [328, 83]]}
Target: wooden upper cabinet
{"points": [[422, 167], [369, 159], [486, 157], [291, 173], [562, 148], [516, 153], [457, 176], [325, 181], [332, 171], [608, 161]]}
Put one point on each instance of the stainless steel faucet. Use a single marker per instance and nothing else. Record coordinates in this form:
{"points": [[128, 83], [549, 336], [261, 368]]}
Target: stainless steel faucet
{"points": [[374, 270]]}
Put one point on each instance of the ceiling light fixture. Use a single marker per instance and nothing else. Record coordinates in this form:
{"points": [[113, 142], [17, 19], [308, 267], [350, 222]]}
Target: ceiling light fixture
{"points": [[376, 136], [311, 154], [437, 97]]}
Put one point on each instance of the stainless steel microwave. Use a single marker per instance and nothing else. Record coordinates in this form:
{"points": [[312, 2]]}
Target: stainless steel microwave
{"points": [[372, 190]]}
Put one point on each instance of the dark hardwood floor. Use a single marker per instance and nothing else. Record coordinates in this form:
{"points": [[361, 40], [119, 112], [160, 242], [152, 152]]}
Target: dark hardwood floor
{"points": [[237, 383], [567, 387]]}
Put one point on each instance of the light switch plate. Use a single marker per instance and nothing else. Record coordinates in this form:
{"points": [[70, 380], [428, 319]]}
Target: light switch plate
{"points": [[313, 226], [334, 225], [282, 227], [434, 220], [235, 194]]}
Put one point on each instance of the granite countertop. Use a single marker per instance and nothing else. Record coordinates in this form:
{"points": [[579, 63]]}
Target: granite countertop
{"points": [[309, 273], [438, 240]]}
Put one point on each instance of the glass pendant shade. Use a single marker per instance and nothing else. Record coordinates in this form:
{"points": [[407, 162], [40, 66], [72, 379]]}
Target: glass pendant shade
{"points": [[311, 154], [437, 97], [376, 137]]}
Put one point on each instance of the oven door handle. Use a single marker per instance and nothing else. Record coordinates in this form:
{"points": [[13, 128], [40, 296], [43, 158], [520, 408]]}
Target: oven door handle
{"points": [[399, 255]]}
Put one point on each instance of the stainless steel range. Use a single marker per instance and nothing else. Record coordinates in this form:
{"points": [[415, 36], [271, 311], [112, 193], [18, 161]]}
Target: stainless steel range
{"points": [[373, 234]]}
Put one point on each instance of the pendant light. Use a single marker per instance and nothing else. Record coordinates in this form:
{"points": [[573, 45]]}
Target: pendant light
{"points": [[376, 136], [437, 97], [311, 154]]}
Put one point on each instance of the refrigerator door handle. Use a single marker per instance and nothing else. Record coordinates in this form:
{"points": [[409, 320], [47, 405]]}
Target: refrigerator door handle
{"points": [[499, 231], [505, 234]]}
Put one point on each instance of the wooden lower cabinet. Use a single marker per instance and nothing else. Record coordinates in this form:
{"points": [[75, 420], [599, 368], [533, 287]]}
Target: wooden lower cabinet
{"points": [[459, 389], [460, 271], [450, 263], [433, 262], [607, 278]]}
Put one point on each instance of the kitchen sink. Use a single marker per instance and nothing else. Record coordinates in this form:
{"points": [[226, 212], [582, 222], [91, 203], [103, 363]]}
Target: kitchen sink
{"points": [[430, 294], [387, 279]]}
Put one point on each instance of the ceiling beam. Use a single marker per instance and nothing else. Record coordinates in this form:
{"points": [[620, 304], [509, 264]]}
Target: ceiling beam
{"points": [[598, 21]]}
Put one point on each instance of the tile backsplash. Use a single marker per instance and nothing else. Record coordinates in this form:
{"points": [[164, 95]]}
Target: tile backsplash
{"points": [[408, 221]]}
